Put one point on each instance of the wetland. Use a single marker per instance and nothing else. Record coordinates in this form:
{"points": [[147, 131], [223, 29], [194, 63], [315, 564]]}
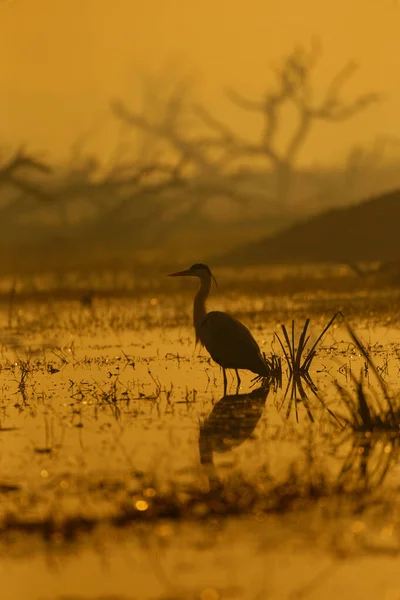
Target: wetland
{"points": [[127, 473]]}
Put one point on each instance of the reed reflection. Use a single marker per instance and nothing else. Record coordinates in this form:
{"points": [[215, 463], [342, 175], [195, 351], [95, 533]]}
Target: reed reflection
{"points": [[368, 463]]}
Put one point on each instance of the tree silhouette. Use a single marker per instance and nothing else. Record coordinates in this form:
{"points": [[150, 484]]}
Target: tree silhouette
{"points": [[214, 156], [293, 86], [13, 173]]}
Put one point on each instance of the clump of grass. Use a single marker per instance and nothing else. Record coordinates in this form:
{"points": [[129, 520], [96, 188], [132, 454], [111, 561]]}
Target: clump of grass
{"points": [[274, 363], [367, 463], [274, 379], [370, 412], [299, 361]]}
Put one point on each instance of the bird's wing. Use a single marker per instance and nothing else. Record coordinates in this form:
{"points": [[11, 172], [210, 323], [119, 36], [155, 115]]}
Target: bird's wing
{"points": [[228, 341]]}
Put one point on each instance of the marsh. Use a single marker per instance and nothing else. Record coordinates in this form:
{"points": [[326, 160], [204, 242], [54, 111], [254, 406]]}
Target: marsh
{"points": [[123, 461]]}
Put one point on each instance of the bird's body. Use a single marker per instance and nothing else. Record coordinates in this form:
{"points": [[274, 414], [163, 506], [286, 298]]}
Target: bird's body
{"points": [[228, 341]]}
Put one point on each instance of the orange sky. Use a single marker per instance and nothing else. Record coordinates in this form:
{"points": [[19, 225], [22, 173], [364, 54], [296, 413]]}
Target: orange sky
{"points": [[62, 61]]}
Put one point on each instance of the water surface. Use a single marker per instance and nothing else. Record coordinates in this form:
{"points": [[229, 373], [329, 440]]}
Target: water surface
{"points": [[125, 472]]}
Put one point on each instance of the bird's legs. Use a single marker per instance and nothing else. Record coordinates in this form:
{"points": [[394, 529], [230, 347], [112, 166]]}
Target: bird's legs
{"points": [[225, 380], [238, 378]]}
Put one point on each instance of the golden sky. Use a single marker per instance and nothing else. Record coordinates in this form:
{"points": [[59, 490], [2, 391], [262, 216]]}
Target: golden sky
{"points": [[63, 60]]}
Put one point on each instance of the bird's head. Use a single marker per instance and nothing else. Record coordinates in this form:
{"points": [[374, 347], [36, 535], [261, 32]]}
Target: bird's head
{"points": [[197, 270]]}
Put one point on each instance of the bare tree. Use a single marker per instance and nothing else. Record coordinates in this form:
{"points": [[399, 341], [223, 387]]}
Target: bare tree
{"points": [[15, 173], [176, 125], [213, 157], [186, 157], [293, 86], [169, 127], [171, 123]]}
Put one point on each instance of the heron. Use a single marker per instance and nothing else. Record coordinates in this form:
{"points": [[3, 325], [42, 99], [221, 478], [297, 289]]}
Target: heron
{"points": [[228, 341]]}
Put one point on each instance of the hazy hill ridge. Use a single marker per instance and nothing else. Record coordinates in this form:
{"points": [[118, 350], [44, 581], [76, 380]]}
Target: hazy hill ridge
{"points": [[367, 231]]}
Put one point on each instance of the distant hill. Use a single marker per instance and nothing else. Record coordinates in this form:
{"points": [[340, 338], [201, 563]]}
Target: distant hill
{"points": [[367, 231]]}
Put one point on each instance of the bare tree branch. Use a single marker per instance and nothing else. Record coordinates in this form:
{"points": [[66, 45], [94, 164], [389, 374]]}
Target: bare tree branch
{"points": [[242, 102], [293, 85], [335, 112], [333, 108], [11, 173], [22, 160], [189, 148], [226, 134]]}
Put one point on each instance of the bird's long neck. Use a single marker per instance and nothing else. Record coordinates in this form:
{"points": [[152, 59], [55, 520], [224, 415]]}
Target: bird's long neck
{"points": [[199, 306]]}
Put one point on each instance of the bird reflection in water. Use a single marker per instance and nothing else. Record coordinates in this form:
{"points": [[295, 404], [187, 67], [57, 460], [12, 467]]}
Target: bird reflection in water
{"points": [[231, 422]]}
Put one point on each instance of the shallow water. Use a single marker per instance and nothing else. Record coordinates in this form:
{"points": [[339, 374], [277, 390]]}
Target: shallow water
{"points": [[126, 474]]}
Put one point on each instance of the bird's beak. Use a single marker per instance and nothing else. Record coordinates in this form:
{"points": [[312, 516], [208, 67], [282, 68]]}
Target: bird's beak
{"points": [[186, 273]]}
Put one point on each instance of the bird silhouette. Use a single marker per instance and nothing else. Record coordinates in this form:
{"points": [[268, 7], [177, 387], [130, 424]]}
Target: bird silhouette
{"points": [[228, 341]]}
